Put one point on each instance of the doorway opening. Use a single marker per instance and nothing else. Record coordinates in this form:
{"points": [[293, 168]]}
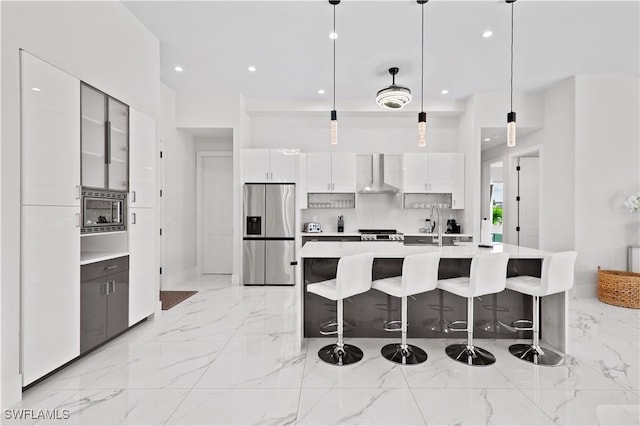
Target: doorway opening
{"points": [[496, 200]]}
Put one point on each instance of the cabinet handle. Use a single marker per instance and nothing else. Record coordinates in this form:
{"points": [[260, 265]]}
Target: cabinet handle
{"points": [[271, 175], [133, 196], [133, 218], [78, 224], [108, 268], [329, 186], [78, 192], [108, 142], [106, 288], [267, 175], [113, 286]]}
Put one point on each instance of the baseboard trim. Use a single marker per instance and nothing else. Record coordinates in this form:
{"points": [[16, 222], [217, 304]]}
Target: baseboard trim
{"points": [[11, 392], [175, 280], [585, 291]]}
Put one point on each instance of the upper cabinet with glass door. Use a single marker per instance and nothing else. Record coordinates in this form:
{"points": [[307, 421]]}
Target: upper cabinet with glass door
{"points": [[105, 141]]}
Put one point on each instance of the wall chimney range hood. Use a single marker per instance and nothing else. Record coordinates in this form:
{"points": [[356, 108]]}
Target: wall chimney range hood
{"points": [[377, 185]]}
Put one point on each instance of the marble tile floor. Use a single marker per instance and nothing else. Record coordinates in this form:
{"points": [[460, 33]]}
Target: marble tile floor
{"points": [[231, 355]]}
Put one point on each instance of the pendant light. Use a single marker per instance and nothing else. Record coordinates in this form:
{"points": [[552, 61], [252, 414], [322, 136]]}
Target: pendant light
{"points": [[511, 116], [422, 116], [334, 113], [394, 96]]}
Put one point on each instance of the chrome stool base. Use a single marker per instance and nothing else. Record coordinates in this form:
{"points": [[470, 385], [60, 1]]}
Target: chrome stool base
{"points": [[470, 355], [349, 354], [541, 356], [410, 356]]}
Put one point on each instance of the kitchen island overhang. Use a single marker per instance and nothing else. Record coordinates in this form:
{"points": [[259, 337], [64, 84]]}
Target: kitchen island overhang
{"points": [[366, 314]]}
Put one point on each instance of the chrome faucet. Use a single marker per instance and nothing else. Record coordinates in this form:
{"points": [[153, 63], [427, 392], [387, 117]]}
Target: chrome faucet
{"points": [[435, 206]]}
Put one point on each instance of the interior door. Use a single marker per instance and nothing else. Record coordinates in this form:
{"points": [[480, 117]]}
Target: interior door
{"points": [[217, 215], [528, 183], [280, 254]]}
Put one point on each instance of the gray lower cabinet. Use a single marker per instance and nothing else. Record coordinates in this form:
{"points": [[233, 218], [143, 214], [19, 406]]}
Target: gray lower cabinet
{"points": [[306, 239], [104, 301]]}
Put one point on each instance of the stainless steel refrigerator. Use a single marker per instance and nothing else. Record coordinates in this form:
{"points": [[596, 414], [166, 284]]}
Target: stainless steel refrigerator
{"points": [[269, 229]]}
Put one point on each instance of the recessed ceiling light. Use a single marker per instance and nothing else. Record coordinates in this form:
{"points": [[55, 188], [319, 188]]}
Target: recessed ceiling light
{"points": [[321, 92], [444, 91], [35, 89], [252, 68], [178, 68], [487, 34], [486, 139], [333, 35]]}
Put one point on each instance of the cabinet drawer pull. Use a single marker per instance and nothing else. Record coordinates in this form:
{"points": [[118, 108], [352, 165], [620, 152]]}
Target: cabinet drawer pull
{"points": [[108, 268], [133, 196], [133, 218]]}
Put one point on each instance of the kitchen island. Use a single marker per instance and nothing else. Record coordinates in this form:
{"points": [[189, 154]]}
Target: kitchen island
{"points": [[366, 314]]}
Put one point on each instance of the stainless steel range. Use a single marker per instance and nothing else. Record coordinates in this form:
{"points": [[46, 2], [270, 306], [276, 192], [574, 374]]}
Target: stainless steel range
{"points": [[380, 235]]}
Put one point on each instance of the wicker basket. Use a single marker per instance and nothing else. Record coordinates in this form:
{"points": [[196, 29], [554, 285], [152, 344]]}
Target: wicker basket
{"points": [[619, 288]]}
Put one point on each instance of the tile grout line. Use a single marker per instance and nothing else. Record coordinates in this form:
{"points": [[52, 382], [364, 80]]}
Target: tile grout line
{"points": [[302, 381], [201, 375], [415, 399]]}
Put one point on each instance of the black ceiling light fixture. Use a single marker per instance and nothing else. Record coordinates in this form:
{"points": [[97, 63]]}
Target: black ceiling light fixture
{"points": [[422, 116], [394, 96], [511, 116], [334, 114]]}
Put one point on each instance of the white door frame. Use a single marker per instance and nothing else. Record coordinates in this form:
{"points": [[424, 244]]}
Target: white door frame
{"points": [[200, 155], [511, 175]]}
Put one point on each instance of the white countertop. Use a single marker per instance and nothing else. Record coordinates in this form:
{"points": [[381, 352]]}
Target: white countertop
{"points": [[399, 250], [420, 234], [330, 234], [87, 257]]}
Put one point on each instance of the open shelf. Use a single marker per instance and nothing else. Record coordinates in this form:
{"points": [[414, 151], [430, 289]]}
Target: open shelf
{"points": [[426, 201], [331, 201]]}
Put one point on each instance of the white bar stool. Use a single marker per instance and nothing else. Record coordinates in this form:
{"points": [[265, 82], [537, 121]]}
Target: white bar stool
{"points": [[488, 275], [419, 275], [353, 277], [556, 277]]}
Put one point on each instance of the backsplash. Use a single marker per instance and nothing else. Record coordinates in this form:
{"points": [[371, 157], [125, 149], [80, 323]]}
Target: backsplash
{"points": [[377, 211]]}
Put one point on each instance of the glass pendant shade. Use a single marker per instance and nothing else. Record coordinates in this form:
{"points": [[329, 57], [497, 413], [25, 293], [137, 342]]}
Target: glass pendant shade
{"points": [[334, 128], [511, 129], [422, 129]]}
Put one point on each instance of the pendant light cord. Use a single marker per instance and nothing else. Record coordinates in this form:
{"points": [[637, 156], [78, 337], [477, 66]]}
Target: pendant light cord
{"points": [[512, 56], [334, 58], [422, 70]]}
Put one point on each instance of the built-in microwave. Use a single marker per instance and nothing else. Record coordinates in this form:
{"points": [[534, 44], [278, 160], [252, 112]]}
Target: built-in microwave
{"points": [[103, 211]]}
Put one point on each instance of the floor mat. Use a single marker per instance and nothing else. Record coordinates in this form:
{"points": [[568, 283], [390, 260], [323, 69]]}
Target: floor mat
{"points": [[170, 299]]}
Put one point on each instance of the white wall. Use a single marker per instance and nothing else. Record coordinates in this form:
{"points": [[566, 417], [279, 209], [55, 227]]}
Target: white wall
{"points": [[607, 145], [357, 132], [179, 195], [207, 110], [101, 43], [213, 144]]}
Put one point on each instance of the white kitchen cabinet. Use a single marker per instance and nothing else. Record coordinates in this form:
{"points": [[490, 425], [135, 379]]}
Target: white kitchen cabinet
{"points": [[256, 165], [457, 181], [50, 108], [319, 172], [270, 165], [331, 172], [282, 164], [434, 173], [439, 173], [142, 152], [343, 172], [50, 271], [143, 265], [414, 173]]}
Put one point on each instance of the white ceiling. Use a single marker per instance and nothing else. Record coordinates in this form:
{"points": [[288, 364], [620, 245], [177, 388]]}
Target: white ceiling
{"points": [[288, 42]]}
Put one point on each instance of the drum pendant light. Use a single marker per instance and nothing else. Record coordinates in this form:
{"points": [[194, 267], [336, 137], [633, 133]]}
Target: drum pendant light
{"points": [[334, 113], [511, 116], [422, 116]]}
